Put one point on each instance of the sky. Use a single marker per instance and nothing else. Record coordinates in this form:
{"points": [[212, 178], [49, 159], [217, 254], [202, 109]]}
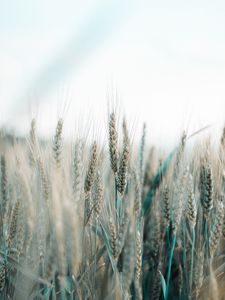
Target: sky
{"points": [[162, 62]]}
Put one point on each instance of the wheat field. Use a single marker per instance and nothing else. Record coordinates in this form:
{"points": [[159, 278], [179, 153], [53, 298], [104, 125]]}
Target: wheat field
{"points": [[82, 220]]}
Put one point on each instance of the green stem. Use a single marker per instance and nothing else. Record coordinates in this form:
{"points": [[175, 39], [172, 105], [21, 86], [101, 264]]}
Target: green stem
{"points": [[167, 244], [192, 256], [95, 259], [63, 294], [185, 286], [47, 292], [170, 265], [206, 240], [115, 194]]}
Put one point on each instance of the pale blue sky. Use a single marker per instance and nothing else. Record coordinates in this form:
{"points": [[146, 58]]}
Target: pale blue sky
{"points": [[166, 59]]}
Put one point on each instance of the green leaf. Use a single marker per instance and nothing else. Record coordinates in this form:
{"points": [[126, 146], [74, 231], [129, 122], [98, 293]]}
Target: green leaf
{"points": [[163, 283], [156, 181], [47, 292], [106, 240]]}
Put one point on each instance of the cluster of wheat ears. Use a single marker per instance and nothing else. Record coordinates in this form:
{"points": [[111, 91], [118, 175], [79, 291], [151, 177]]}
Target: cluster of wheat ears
{"points": [[86, 221]]}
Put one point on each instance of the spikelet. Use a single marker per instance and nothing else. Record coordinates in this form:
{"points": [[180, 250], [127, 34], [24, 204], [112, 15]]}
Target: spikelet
{"points": [[137, 192], [2, 276], [41, 227], [20, 234], [154, 234], [113, 239], [33, 142], [13, 223], [57, 143], [91, 169], [98, 195], [128, 262], [122, 175], [156, 287], [25, 192], [113, 141], [138, 257], [198, 274], [206, 189], [89, 180], [166, 206], [96, 205], [77, 170], [217, 229], [179, 198], [191, 209], [44, 180]]}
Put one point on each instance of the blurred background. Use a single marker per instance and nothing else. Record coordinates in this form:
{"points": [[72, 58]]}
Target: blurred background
{"points": [[162, 62]]}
